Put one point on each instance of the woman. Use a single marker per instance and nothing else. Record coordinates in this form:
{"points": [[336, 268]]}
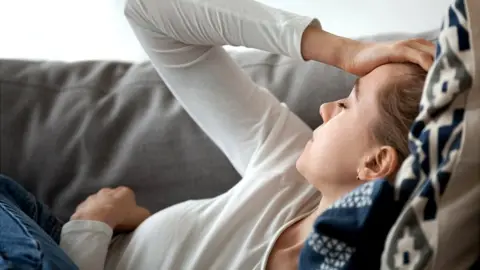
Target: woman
{"points": [[263, 221]]}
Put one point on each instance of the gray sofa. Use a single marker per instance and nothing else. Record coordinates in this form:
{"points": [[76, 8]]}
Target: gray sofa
{"points": [[68, 129]]}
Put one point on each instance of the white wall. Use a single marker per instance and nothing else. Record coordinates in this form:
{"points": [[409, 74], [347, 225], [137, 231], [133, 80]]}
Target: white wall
{"points": [[364, 17], [95, 29]]}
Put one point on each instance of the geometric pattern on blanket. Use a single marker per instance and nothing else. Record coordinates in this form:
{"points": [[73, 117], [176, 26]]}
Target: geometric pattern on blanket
{"points": [[352, 233], [436, 143]]}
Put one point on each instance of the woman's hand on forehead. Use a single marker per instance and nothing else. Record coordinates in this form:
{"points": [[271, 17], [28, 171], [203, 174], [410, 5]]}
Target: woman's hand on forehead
{"points": [[359, 57], [365, 57]]}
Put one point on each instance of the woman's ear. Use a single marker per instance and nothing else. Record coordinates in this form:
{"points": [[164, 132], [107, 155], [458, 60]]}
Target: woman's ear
{"points": [[381, 164]]}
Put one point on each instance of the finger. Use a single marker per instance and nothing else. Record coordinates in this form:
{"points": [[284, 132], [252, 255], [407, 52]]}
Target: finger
{"points": [[424, 48], [419, 44], [426, 42], [83, 204], [124, 192], [425, 59], [105, 191], [410, 42], [80, 206], [136, 217], [143, 214], [407, 54], [426, 55]]}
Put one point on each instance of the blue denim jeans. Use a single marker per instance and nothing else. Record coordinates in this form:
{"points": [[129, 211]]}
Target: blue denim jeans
{"points": [[29, 232]]}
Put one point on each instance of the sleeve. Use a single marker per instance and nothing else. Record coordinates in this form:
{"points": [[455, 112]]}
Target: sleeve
{"points": [[86, 242], [183, 39]]}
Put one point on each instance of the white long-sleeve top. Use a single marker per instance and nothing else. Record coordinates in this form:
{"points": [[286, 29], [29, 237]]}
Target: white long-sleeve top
{"points": [[260, 136]]}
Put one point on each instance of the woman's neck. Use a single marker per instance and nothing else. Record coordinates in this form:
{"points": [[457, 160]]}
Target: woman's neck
{"points": [[306, 225], [300, 231], [324, 203]]}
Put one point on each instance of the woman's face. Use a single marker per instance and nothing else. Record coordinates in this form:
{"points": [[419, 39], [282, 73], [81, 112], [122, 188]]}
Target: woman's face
{"points": [[342, 144]]}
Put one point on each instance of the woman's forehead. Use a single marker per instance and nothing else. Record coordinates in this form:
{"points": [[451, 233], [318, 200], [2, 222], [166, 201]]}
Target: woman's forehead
{"points": [[380, 77]]}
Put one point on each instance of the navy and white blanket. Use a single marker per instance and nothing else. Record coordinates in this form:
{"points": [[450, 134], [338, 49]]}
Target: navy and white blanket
{"points": [[430, 219]]}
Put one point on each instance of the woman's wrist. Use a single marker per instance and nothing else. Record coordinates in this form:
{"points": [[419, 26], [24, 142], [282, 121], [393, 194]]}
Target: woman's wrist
{"points": [[325, 47], [95, 216]]}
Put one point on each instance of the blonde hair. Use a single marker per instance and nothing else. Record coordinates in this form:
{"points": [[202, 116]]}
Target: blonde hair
{"points": [[399, 104]]}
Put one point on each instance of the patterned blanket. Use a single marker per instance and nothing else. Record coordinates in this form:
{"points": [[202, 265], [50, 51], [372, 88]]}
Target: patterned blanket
{"points": [[430, 219]]}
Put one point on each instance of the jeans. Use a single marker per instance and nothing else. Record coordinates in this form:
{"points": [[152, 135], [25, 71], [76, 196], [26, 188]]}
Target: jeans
{"points": [[29, 232]]}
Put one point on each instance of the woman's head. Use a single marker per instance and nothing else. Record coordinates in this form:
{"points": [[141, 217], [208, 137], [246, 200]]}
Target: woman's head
{"points": [[364, 136]]}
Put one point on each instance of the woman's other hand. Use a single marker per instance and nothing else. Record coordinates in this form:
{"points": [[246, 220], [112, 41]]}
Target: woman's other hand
{"points": [[358, 57], [116, 207]]}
